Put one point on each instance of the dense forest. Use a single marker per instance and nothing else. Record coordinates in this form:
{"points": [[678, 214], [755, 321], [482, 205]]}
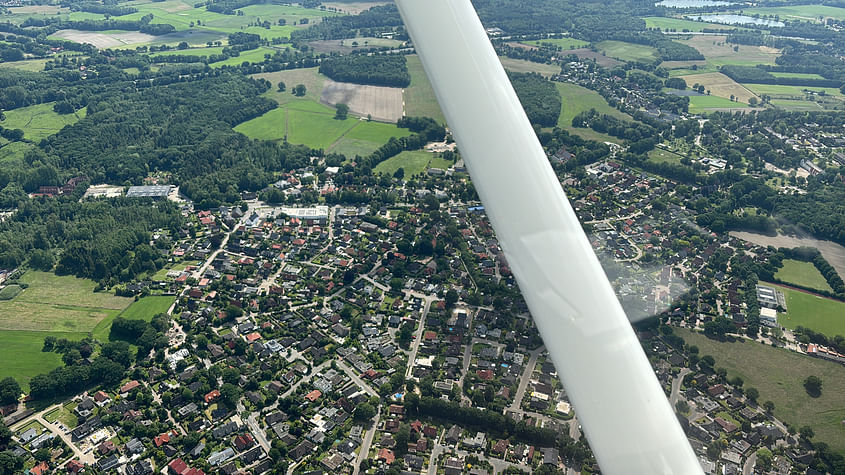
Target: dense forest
{"points": [[539, 97], [372, 22], [387, 70]]}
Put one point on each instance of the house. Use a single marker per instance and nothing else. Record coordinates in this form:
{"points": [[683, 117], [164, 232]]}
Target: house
{"points": [[177, 467], [40, 469], [131, 385], [453, 435], [212, 396], [313, 395], [501, 447], [243, 442], [387, 455], [161, 439]]}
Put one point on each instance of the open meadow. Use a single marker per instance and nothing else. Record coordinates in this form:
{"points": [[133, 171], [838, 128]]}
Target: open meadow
{"points": [[142, 309], [39, 121], [576, 99], [802, 273], [412, 163], [681, 25], [720, 85], [627, 51], [563, 43], [717, 52], [819, 314], [523, 66], [420, 100], [778, 375], [704, 104]]}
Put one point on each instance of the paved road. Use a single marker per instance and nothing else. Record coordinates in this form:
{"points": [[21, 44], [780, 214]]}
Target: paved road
{"points": [[526, 378], [415, 346], [748, 468], [676, 386], [360, 382], [260, 435], [305, 379], [366, 443]]}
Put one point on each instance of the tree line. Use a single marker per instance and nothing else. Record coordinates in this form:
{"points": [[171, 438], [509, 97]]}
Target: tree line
{"points": [[377, 70]]}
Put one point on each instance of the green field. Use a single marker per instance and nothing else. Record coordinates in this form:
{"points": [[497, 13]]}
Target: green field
{"points": [[523, 66], [800, 12], [779, 374], [820, 314], [257, 55], [790, 91], [659, 155], [371, 42], [20, 352], [796, 105], [576, 99], [680, 25], [699, 104], [562, 43], [797, 75], [412, 162], [420, 100], [627, 51], [802, 273], [309, 77], [718, 52], [142, 309], [26, 65], [12, 153], [191, 52], [39, 121]]}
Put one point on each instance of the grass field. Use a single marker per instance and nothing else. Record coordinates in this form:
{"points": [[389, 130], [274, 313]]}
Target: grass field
{"points": [[63, 414], [720, 85], [797, 75], [576, 99], [802, 273], [800, 12], [420, 100], [627, 51], [796, 105], [39, 121], [412, 162], [699, 104], [820, 314], [13, 153], [26, 65], [20, 352], [778, 375], [563, 43], [191, 52], [522, 66], [784, 92], [659, 155], [309, 77], [680, 25], [718, 52], [257, 55], [142, 309], [371, 42]]}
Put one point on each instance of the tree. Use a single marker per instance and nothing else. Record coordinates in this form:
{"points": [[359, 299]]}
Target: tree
{"points": [[299, 90], [9, 463], [281, 86], [342, 112], [364, 412], [451, 298], [806, 432], [10, 391], [752, 393], [402, 438], [764, 458], [813, 386], [5, 436], [399, 173], [682, 406], [769, 406], [229, 395]]}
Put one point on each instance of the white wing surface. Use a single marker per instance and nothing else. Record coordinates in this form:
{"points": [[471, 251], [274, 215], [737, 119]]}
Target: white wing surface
{"points": [[625, 415]]}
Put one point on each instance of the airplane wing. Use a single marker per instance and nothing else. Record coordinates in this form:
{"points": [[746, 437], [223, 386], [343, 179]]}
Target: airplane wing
{"points": [[625, 415]]}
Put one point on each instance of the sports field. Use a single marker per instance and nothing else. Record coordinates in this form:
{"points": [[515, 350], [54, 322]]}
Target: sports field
{"points": [[563, 43], [701, 104], [681, 25], [39, 121], [779, 374], [412, 162], [820, 314], [627, 51], [719, 85], [420, 100], [802, 273]]}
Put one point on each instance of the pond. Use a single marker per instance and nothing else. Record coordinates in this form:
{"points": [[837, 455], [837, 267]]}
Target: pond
{"points": [[730, 19], [691, 3]]}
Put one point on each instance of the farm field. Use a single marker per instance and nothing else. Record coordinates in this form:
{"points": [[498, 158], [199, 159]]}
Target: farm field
{"points": [[681, 25], [563, 43], [39, 121], [191, 52], [820, 314], [420, 100], [720, 85], [380, 103], [800, 12], [365, 138], [44, 306], [627, 51], [699, 104], [309, 77], [104, 39], [253, 56], [412, 162], [522, 66], [797, 75], [371, 42], [779, 91], [717, 52], [142, 309], [779, 374], [796, 105], [26, 65], [802, 273]]}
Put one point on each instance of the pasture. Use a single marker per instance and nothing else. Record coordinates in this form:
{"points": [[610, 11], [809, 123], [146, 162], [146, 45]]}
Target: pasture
{"points": [[576, 99], [26, 65], [12, 153], [252, 56], [588, 54], [718, 52], [412, 162], [39, 121], [523, 66], [802, 273], [562, 43], [627, 51], [792, 92], [20, 352], [778, 375], [659, 155], [371, 42], [420, 100], [681, 25], [703, 104], [814, 13], [142, 309], [309, 77], [820, 314], [797, 75], [720, 85]]}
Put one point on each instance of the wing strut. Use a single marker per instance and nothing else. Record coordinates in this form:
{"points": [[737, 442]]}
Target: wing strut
{"points": [[626, 417]]}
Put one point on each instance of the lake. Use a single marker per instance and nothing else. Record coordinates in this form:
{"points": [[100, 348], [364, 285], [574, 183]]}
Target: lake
{"points": [[730, 19], [691, 3], [834, 253]]}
